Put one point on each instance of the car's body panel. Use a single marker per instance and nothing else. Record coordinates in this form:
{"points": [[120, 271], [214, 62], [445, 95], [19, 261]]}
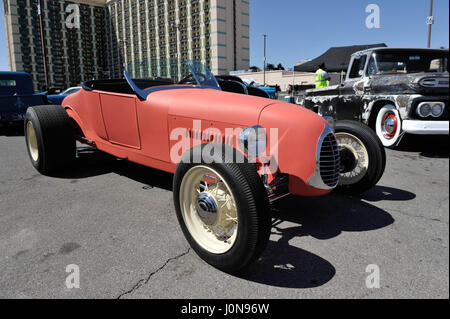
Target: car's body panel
{"points": [[139, 130], [213, 105], [298, 135], [120, 119]]}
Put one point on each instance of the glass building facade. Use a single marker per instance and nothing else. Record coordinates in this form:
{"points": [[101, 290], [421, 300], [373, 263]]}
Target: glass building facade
{"points": [[89, 39]]}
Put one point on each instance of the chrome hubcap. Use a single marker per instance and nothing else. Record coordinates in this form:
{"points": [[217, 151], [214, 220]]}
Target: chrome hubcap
{"points": [[207, 208], [389, 125]]}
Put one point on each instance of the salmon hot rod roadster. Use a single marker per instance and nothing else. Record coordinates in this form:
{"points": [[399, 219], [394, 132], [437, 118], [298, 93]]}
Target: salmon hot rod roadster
{"points": [[224, 182]]}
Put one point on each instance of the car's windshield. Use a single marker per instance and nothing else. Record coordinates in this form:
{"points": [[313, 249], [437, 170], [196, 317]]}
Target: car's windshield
{"points": [[202, 75], [392, 62]]}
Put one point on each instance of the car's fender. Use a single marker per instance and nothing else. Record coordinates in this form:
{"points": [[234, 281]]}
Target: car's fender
{"points": [[299, 131]]}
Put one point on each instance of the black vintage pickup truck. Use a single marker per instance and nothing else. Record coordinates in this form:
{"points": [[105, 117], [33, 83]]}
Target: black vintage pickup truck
{"points": [[394, 91], [16, 95]]}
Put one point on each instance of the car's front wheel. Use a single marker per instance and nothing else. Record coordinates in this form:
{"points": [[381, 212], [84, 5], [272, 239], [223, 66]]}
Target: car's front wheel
{"points": [[363, 157], [223, 211]]}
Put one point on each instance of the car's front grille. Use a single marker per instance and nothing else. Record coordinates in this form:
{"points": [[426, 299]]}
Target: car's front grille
{"points": [[330, 161]]}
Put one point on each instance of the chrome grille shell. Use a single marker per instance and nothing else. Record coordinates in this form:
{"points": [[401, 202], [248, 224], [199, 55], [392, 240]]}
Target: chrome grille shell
{"points": [[328, 162]]}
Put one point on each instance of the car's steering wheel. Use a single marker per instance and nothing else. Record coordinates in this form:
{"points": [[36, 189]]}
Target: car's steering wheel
{"points": [[190, 78]]}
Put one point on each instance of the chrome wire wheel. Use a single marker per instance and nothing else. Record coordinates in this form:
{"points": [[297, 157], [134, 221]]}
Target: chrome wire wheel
{"points": [[355, 148], [209, 209], [32, 141]]}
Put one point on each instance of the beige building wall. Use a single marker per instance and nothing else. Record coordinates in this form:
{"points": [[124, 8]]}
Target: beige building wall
{"points": [[11, 19], [214, 32], [230, 35], [280, 78]]}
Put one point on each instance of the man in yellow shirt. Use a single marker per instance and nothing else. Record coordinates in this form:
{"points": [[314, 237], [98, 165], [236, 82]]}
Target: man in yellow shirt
{"points": [[321, 77]]}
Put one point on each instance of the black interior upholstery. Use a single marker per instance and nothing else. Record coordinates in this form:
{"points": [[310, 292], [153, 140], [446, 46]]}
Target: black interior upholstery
{"points": [[232, 86]]}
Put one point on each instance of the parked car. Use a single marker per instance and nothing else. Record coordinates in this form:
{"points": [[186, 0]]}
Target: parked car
{"points": [[230, 83], [16, 95], [58, 98], [394, 91], [270, 90], [231, 154]]}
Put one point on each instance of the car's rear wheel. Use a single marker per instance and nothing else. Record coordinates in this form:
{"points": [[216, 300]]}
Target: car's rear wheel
{"points": [[388, 126], [223, 211], [363, 158], [49, 138]]}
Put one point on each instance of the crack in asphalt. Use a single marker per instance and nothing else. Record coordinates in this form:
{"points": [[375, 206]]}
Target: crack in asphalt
{"points": [[145, 281], [420, 216]]}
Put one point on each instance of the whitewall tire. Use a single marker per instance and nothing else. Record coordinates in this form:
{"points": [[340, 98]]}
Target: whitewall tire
{"points": [[388, 125]]}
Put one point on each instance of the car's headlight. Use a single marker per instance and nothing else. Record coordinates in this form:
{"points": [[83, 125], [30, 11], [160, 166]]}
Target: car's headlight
{"points": [[434, 109], [424, 109], [253, 141], [437, 109]]}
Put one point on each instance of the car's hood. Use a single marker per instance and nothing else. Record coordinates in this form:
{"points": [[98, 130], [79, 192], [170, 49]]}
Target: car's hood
{"points": [[214, 105], [409, 83]]}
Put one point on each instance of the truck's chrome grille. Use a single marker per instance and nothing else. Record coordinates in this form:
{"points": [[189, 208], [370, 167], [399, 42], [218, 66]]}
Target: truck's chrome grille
{"points": [[435, 82], [330, 161]]}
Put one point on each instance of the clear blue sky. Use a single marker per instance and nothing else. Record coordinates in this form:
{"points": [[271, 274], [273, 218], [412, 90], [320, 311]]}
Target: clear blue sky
{"points": [[304, 29]]}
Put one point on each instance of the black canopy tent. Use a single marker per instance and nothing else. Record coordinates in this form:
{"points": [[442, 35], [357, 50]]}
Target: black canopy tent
{"points": [[336, 59]]}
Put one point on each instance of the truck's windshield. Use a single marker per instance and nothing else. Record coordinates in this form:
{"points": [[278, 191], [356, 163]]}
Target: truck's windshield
{"points": [[392, 62]]}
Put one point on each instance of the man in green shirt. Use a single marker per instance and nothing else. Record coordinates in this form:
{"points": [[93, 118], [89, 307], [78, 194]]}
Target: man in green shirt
{"points": [[321, 77]]}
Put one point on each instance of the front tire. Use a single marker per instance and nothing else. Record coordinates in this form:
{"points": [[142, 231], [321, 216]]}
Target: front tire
{"points": [[388, 126], [49, 138], [363, 157], [223, 211]]}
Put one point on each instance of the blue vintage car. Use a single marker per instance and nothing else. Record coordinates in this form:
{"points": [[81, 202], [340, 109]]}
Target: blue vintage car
{"points": [[236, 84], [57, 99], [16, 95], [270, 90]]}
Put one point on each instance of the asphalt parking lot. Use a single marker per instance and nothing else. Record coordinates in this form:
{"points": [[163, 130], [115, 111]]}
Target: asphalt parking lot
{"points": [[116, 221]]}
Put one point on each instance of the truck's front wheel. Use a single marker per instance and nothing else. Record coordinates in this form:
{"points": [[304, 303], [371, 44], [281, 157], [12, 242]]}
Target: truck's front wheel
{"points": [[388, 125]]}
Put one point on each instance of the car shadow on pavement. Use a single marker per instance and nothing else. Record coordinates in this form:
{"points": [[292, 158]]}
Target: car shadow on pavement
{"points": [[285, 265], [381, 193], [431, 146], [91, 162], [12, 130]]}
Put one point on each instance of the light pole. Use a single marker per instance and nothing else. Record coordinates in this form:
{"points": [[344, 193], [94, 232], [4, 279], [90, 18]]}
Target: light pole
{"points": [[293, 81], [44, 55], [430, 21], [265, 60], [177, 56]]}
